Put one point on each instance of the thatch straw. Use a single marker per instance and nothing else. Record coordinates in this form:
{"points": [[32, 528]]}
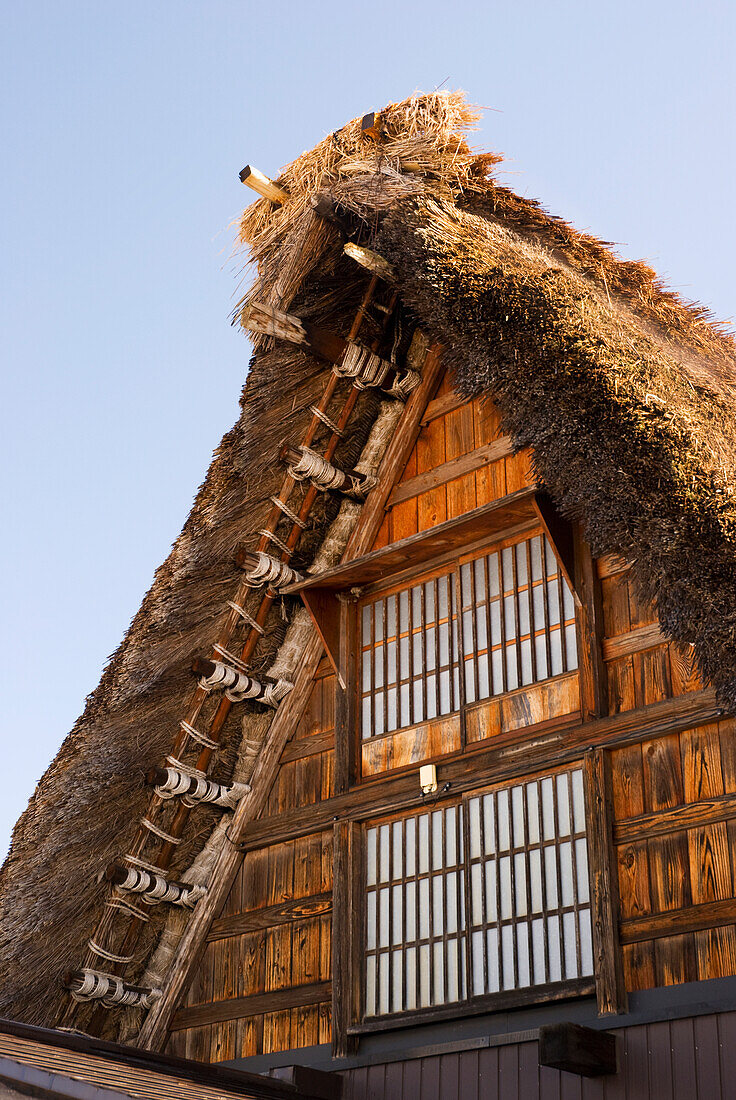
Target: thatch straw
{"points": [[423, 151]]}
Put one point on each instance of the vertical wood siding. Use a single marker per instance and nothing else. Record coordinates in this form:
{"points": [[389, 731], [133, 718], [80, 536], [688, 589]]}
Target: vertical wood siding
{"points": [[674, 1060]]}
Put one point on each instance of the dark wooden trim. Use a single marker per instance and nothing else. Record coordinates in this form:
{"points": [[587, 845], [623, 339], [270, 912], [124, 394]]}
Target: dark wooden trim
{"points": [[593, 685], [237, 1008], [610, 985], [448, 471], [576, 1049], [489, 522], [287, 911], [663, 822], [442, 405], [634, 641], [488, 763], [508, 998], [675, 922], [300, 747], [346, 938], [226, 1079]]}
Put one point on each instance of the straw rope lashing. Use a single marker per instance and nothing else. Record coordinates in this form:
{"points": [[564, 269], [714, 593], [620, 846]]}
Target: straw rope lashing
{"points": [[153, 888], [308, 465], [196, 735], [267, 570], [95, 985], [362, 366], [237, 685], [284, 507], [236, 607], [172, 783]]}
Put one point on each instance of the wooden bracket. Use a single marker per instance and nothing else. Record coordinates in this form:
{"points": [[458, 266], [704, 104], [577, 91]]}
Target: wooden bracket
{"points": [[559, 531], [324, 609], [577, 1049]]}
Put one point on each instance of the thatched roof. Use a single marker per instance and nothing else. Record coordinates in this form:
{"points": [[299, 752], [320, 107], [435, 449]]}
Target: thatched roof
{"points": [[624, 392]]}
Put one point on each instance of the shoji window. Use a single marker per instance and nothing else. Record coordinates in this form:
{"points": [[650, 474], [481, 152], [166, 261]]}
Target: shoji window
{"points": [[529, 894], [516, 625], [410, 668], [415, 913], [484, 897], [518, 619]]}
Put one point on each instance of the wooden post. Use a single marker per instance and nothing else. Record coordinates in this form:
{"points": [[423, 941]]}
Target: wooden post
{"points": [[345, 703], [593, 687], [265, 187], [346, 938], [610, 986]]}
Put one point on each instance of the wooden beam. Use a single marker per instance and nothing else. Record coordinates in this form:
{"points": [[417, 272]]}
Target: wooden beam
{"points": [[610, 986], [396, 454], [634, 641], [490, 764], [265, 319], [447, 471], [448, 402], [661, 822], [371, 261], [324, 609], [239, 1008], [490, 520], [677, 922], [576, 1049], [300, 747], [346, 732], [343, 938], [262, 185], [370, 124], [315, 905]]}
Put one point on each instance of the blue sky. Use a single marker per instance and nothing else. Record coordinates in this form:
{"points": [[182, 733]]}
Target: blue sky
{"points": [[123, 128]]}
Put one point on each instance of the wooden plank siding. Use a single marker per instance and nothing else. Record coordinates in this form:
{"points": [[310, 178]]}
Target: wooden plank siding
{"points": [[264, 981], [674, 833]]}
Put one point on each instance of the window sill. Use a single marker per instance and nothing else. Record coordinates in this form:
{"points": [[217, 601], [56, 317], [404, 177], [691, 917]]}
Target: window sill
{"points": [[509, 998]]}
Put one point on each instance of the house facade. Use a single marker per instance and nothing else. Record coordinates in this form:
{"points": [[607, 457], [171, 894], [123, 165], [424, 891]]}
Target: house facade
{"points": [[433, 699]]}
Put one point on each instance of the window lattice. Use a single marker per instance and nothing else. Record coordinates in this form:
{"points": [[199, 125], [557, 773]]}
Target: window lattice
{"points": [[514, 914], [529, 894], [516, 626], [410, 668], [415, 913]]}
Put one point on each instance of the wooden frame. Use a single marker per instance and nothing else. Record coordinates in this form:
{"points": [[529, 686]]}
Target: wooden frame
{"points": [[465, 926], [536, 623]]}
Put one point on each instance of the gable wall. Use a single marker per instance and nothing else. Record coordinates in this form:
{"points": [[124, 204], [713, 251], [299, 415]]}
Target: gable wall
{"points": [[263, 984]]}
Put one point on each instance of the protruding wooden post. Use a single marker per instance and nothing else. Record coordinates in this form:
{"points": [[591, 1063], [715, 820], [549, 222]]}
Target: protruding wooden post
{"points": [[370, 124], [371, 261], [265, 187], [610, 986]]}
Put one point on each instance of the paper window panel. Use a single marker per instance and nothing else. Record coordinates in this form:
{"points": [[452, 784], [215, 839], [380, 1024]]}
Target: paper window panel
{"points": [[517, 619], [529, 918], [409, 657], [415, 913]]}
